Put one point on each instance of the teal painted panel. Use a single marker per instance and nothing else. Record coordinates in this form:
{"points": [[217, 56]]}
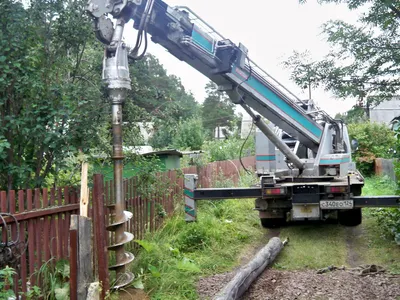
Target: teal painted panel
{"points": [[265, 157], [334, 161], [188, 193], [202, 41], [282, 104], [190, 211]]}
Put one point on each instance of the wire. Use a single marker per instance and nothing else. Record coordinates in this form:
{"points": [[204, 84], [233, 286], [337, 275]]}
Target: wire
{"points": [[241, 149], [142, 31], [252, 123]]}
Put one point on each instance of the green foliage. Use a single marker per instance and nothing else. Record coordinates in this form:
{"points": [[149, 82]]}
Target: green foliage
{"points": [[176, 256], [54, 277], [6, 280], [217, 110], [355, 115], [387, 218], [189, 135], [50, 99], [375, 141], [218, 150], [363, 61]]}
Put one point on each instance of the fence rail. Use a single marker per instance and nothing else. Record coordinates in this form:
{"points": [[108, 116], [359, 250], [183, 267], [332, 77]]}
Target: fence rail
{"points": [[38, 230], [42, 216]]}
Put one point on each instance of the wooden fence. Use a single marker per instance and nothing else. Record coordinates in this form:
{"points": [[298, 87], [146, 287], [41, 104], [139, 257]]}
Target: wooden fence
{"points": [[43, 218], [43, 215]]}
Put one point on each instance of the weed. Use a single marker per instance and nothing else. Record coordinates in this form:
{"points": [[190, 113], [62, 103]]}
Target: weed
{"points": [[387, 218], [6, 282], [54, 278], [175, 257]]}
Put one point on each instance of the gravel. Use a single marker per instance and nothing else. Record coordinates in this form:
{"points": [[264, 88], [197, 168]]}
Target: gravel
{"points": [[282, 285]]}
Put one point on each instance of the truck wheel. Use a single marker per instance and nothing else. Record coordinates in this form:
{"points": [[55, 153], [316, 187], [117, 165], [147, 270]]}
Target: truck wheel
{"points": [[352, 217], [272, 222]]}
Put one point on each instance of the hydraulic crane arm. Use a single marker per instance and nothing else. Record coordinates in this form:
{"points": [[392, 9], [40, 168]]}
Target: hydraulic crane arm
{"points": [[186, 36]]}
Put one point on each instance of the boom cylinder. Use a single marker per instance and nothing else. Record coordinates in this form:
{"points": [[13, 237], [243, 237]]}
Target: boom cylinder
{"points": [[274, 138]]}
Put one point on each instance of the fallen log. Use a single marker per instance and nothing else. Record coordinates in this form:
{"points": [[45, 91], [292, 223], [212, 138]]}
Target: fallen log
{"points": [[247, 274]]}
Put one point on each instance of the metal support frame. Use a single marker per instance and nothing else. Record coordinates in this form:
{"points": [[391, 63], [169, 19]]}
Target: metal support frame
{"points": [[190, 202], [192, 194]]}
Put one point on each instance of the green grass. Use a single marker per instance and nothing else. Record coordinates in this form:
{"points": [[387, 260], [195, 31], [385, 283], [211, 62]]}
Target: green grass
{"points": [[378, 245], [175, 257], [377, 186], [312, 247], [378, 248], [318, 246]]}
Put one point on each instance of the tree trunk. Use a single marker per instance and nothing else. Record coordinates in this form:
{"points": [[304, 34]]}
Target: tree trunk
{"points": [[247, 274]]}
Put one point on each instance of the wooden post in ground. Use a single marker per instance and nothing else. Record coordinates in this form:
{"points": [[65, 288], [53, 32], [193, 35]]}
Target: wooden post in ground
{"points": [[84, 201], [81, 256]]}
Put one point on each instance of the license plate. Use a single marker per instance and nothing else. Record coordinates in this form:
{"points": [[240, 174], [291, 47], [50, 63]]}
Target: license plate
{"points": [[336, 204]]}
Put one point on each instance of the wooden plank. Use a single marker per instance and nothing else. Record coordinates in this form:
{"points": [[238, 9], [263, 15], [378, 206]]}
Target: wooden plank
{"points": [[31, 237], [130, 203], [53, 222], [14, 237], [59, 226], [3, 208], [34, 214], [46, 226], [38, 232], [100, 233], [141, 220], [66, 222], [22, 228], [84, 199], [83, 261], [152, 218], [73, 263]]}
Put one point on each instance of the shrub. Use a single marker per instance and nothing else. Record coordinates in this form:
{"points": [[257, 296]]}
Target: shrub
{"points": [[219, 150], [375, 141], [189, 135]]}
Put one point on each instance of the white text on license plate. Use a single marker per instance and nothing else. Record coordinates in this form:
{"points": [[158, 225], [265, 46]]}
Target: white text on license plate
{"points": [[337, 204]]}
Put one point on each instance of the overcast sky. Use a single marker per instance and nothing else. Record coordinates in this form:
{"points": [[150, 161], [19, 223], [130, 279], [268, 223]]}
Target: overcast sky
{"points": [[271, 30]]}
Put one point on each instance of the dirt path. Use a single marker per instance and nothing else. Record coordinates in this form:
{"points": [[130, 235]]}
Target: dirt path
{"points": [[353, 234], [307, 284]]}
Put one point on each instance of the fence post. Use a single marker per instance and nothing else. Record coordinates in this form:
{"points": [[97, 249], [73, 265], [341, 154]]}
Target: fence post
{"points": [[81, 252], [100, 233], [190, 203]]}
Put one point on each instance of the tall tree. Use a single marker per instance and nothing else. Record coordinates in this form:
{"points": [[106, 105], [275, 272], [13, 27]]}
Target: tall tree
{"points": [[217, 110], [51, 100], [364, 61]]}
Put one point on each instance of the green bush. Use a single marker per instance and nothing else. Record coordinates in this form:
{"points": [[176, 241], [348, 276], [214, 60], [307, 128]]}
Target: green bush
{"points": [[375, 141], [189, 135], [219, 150], [388, 218]]}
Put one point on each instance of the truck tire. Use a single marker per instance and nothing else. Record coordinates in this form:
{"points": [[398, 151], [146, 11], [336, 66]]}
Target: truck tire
{"points": [[352, 217], [272, 222]]}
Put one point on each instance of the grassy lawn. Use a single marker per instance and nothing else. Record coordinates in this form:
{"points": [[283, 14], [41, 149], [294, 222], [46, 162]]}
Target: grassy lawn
{"points": [[319, 246], [176, 256]]}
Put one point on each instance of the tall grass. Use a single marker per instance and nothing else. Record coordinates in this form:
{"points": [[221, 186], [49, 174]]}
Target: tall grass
{"points": [[173, 258]]}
